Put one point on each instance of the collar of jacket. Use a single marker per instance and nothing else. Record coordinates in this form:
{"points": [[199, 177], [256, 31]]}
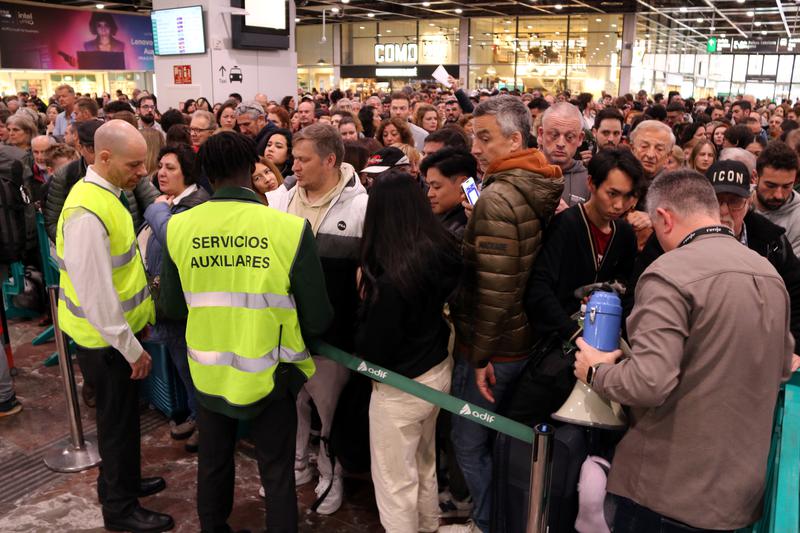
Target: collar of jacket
{"points": [[760, 228], [530, 159], [235, 193]]}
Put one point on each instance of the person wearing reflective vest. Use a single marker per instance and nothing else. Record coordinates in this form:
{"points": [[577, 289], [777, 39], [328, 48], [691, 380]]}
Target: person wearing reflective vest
{"points": [[104, 303], [250, 283]]}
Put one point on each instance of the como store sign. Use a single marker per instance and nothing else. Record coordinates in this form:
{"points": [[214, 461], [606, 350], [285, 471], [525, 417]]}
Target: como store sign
{"points": [[396, 53]]}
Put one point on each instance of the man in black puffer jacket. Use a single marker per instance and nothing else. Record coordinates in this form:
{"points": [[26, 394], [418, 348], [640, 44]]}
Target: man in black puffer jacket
{"points": [[61, 183]]}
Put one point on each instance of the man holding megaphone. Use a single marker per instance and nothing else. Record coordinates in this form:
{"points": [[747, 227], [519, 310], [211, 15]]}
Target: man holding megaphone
{"points": [[711, 344]]}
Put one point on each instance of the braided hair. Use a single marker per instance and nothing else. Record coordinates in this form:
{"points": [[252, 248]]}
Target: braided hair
{"points": [[227, 156]]}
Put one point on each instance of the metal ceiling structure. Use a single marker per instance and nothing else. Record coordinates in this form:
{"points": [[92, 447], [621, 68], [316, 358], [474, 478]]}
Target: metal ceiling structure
{"points": [[677, 23]]}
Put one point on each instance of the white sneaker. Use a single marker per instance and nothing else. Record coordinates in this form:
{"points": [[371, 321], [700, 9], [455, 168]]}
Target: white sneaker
{"points": [[468, 527], [303, 476], [333, 500], [450, 507]]}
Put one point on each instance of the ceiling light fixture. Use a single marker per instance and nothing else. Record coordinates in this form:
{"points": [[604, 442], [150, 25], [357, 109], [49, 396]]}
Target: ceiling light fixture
{"points": [[559, 6], [751, 13], [371, 15], [458, 11], [683, 9], [100, 6], [426, 4], [699, 20], [334, 10]]}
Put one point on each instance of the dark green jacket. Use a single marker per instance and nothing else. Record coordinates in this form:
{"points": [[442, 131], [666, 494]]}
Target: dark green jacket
{"points": [[62, 181]]}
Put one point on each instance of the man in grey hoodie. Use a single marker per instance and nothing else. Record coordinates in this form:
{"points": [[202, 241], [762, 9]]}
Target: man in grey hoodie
{"points": [[560, 135], [774, 198]]}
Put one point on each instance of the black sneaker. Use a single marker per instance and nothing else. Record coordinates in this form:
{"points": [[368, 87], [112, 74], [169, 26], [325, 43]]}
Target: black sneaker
{"points": [[10, 407]]}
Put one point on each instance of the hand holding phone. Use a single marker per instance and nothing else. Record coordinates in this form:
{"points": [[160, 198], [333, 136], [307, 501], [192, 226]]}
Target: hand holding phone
{"points": [[470, 190]]}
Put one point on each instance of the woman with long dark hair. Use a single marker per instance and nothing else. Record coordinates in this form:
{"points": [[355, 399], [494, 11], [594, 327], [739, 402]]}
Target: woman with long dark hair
{"points": [[370, 120], [409, 266]]}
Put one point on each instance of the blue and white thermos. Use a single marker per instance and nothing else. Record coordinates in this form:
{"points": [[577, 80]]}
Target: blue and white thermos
{"points": [[603, 320]]}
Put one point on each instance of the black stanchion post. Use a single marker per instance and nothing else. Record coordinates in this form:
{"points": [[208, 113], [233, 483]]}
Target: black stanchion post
{"points": [[75, 453], [541, 466]]}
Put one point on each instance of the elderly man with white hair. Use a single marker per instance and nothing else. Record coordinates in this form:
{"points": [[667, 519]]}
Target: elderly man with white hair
{"points": [[651, 142]]}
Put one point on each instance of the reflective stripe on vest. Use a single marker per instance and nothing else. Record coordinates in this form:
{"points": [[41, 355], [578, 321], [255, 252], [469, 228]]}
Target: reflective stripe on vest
{"points": [[116, 260], [247, 364], [234, 259], [127, 305], [127, 271], [238, 299]]}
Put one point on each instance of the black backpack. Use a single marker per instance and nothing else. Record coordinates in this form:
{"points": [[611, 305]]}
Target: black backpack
{"points": [[17, 214]]}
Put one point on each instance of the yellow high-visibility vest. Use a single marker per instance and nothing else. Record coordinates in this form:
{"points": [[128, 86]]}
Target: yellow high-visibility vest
{"points": [[127, 272], [234, 259]]}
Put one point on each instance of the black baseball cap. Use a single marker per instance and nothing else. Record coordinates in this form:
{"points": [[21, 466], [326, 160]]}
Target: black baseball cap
{"points": [[384, 159], [729, 176]]}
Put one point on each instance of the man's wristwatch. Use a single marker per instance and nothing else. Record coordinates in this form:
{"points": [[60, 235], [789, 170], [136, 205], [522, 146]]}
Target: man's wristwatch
{"points": [[590, 373]]}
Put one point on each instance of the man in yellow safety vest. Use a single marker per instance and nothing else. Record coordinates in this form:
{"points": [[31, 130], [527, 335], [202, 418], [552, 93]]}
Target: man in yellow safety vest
{"points": [[249, 279]]}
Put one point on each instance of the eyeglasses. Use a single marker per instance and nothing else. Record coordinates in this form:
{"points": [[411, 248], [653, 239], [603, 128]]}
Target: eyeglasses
{"points": [[147, 107], [199, 130], [735, 203]]}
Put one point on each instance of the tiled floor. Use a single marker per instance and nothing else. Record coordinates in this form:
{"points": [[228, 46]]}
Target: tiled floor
{"points": [[34, 499]]}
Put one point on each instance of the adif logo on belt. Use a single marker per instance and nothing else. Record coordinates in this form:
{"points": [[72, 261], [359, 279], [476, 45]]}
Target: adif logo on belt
{"points": [[466, 411], [380, 374]]}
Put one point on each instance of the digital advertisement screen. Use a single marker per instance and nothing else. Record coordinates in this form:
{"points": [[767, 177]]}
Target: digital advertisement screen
{"points": [[178, 31], [44, 37]]}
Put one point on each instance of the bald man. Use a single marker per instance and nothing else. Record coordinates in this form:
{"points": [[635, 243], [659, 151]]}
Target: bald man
{"points": [[560, 135], [262, 99], [39, 177], [104, 304]]}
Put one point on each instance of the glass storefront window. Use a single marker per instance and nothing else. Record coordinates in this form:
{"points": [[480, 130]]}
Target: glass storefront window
{"points": [[785, 64], [594, 65], [312, 49], [541, 52]]}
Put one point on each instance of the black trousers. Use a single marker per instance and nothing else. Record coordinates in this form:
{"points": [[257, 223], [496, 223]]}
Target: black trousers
{"points": [[273, 431], [118, 432], [633, 518]]}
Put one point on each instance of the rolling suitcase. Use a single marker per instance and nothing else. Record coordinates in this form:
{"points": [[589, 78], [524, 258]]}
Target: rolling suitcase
{"points": [[511, 481]]}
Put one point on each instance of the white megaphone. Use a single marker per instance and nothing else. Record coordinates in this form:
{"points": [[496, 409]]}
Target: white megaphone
{"points": [[585, 407]]}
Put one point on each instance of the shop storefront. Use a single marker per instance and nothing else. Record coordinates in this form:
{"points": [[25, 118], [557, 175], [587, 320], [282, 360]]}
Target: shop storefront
{"points": [[42, 47], [581, 53]]}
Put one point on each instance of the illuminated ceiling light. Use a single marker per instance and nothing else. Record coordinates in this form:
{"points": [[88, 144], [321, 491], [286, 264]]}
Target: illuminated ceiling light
{"points": [[388, 31], [458, 11], [757, 24], [699, 20], [426, 4], [345, 1], [371, 15], [296, 20], [100, 6], [334, 10], [740, 1], [613, 25], [598, 20], [751, 13], [683, 9], [763, 32], [559, 6]]}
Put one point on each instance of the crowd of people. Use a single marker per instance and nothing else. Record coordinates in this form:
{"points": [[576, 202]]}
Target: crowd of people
{"points": [[370, 244]]}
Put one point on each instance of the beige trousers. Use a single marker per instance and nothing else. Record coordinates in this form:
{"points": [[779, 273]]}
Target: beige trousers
{"points": [[402, 435]]}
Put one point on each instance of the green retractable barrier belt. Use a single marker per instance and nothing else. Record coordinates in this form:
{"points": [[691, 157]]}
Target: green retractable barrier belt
{"points": [[447, 402]]}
